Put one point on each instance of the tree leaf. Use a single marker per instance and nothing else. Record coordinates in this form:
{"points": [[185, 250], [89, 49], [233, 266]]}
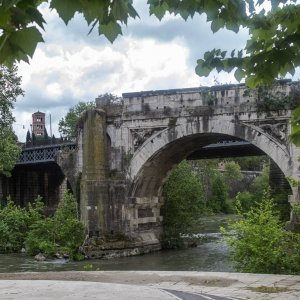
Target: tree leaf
{"points": [[201, 69], [217, 24], [66, 9], [239, 74], [120, 10], [4, 17], [36, 16], [110, 30], [26, 39], [159, 10]]}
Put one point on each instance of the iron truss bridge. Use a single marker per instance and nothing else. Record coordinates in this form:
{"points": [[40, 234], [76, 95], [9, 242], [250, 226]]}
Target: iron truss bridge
{"points": [[42, 154]]}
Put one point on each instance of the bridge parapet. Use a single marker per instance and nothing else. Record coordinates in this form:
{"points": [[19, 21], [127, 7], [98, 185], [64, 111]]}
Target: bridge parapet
{"points": [[42, 154], [202, 101]]}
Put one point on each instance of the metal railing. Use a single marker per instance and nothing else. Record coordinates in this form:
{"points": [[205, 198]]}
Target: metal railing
{"points": [[41, 154]]}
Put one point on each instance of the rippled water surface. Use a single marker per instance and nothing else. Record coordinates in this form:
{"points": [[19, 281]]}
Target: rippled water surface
{"points": [[211, 255]]}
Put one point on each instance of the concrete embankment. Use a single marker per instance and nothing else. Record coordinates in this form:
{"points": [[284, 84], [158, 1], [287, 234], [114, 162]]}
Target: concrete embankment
{"points": [[147, 285]]}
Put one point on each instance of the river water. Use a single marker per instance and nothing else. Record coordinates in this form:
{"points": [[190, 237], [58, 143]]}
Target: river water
{"points": [[212, 254]]}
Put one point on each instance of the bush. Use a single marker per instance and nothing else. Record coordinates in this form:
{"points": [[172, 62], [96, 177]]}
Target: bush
{"points": [[15, 222], [42, 238], [259, 242], [244, 202], [62, 233]]}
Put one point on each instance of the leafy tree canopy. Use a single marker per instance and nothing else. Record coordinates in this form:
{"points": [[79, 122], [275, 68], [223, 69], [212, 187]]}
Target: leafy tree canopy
{"points": [[184, 203], [67, 125], [9, 91], [271, 51]]}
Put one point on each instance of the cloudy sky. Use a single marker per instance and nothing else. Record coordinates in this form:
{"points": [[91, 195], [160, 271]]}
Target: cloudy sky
{"points": [[72, 66]]}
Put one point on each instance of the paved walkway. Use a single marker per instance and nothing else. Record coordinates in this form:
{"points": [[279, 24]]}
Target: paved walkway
{"points": [[148, 285]]}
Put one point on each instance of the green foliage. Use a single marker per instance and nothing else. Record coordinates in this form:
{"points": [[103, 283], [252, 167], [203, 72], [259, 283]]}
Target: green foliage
{"points": [[62, 233], [269, 99], [28, 227], [296, 209], [9, 151], [90, 267], [206, 169], [67, 125], [244, 201], [21, 22], [259, 243], [271, 50], [218, 202], [232, 172], [10, 90], [15, 222], [260, 183], [269, 289], [251, 163], [184, 205], [295, 124]]}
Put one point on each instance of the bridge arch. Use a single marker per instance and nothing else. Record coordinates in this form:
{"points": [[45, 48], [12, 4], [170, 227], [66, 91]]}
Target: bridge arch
{"points": [[160, 153]]}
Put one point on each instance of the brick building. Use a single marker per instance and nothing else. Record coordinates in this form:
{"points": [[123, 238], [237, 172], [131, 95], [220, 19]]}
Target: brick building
{"points": [[38, 123]]}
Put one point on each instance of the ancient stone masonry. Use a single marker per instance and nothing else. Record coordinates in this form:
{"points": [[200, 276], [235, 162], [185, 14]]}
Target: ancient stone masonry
{"points": [[140, 135], [129, 148]]}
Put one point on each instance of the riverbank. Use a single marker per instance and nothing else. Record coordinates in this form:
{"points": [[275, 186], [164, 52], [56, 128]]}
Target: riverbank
{"points": [[147, 285], [211, 254]]}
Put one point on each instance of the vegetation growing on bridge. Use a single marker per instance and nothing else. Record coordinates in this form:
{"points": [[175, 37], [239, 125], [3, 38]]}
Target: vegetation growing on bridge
{"points": [[28, 227]]}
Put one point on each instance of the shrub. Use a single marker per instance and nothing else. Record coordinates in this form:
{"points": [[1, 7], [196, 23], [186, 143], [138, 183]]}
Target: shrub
{"points": [[62, 233], [15, 222], [244, 202], [259, 242]]}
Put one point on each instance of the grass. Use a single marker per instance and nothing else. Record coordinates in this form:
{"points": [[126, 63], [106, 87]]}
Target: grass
{"points": [[269, 289]]}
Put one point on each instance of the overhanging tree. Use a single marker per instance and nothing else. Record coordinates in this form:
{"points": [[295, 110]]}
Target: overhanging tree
{"points": [[9, 91], [272, 49]]}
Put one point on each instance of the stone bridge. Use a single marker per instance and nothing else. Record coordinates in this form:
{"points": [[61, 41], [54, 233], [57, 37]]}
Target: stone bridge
{"points": [[126, 150]]}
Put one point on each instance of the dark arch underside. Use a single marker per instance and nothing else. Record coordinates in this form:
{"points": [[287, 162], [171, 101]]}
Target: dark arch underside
{"points": [[198, 146]]}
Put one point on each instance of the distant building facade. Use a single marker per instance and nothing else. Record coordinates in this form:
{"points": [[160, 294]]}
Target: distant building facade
{"points": [[38, 123]]}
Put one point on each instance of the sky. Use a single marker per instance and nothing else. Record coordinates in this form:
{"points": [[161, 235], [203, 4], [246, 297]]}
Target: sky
{"points": [[72, 66]]}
